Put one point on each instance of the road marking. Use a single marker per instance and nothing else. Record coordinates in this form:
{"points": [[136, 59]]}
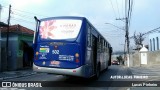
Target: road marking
{"points": [[129, 89]]}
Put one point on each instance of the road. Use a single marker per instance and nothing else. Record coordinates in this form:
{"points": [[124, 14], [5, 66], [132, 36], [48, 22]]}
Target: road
{"points": [[105, 75], [107, 78]]}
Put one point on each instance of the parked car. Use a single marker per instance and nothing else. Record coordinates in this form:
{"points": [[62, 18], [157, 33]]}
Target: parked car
{"points": [[115, 62]]}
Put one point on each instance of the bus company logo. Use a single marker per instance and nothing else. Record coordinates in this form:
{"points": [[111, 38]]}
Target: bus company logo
{"points": [[55, 52], [6, 84]]}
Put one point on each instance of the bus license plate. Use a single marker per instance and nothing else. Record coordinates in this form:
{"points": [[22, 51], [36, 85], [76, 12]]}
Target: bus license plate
{"points": [[55, 62]]}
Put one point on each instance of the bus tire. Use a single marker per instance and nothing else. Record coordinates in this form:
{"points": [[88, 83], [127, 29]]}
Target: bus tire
{"points": [[106, 68]]}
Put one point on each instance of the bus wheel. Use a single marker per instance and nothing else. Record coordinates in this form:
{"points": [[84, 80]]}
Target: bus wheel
{"points": [[97, 71]]}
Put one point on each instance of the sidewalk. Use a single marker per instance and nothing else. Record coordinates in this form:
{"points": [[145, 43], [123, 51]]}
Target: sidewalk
{"points": [[153, 72], [15, 74]]}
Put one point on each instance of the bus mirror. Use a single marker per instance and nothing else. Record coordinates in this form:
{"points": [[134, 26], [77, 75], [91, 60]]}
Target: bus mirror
{"points": [[36, 31], [36, 18]]}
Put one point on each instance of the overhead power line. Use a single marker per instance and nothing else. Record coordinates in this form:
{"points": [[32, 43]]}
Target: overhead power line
{"points": [[30, 13], [27, 12], [18, 19], [122, 8], [113, 8], [149, 32], [118, 8], [20, 15]]}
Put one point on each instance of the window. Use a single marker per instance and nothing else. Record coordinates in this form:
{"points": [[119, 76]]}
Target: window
{"points": [[99, 39], [150, 44], [153, 44], [103, 42], [91, 39], [60, 29], [157, 43], [89, 36], [109, 45], [106, 44]]}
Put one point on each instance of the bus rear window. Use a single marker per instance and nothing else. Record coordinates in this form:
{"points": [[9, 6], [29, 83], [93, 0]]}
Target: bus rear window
{"points": [[59, 29]]}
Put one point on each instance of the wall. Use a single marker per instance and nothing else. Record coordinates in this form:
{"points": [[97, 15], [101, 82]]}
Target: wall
{"points": [[12, 50], [4, 58], [153, 57], [135, 59], [11, 64]]}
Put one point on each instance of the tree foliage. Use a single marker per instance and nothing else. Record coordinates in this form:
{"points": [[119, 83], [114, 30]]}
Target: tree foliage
{"points": [[138, 39], [119, 58]]}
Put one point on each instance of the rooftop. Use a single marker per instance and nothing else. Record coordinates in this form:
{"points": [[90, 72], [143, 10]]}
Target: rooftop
{"points": [[3, 24], [17, 29]]}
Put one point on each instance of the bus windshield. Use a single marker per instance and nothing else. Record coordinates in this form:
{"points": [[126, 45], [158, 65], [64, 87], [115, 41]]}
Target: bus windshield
{"points": [[59, 29]]}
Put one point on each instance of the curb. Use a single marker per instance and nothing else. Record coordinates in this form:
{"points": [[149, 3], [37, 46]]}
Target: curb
{"points": [[5, 78]]}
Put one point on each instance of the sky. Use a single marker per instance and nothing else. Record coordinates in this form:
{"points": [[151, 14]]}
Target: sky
{"points": [[145, 15]]}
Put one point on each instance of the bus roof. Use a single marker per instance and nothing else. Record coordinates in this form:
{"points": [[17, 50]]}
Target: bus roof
{"points": [[63, 17]]}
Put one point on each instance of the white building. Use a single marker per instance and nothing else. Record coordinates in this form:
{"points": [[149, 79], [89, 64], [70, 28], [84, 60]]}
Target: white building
{"points": [[154, 41]]}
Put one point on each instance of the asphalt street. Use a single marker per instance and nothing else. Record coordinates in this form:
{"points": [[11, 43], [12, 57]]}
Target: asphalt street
{"points": [[111, 79]]}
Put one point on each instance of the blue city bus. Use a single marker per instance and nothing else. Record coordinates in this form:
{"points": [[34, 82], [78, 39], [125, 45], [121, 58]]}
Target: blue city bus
{"points": [[70, 46]]}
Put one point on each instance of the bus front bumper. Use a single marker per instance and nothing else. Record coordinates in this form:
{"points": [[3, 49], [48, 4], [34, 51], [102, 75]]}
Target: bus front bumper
{"points": [[80, 71]]}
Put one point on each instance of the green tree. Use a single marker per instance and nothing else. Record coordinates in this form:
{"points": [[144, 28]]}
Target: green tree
{"points": [[120, 59]]}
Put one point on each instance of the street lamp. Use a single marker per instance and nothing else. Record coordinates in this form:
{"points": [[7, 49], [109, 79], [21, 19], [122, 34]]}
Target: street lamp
{"points": [[116, 26], [125, 41]]}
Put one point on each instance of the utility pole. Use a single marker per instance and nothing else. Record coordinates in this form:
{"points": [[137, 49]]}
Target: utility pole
{"points": [[127, 38], [7, 41], [127, 35], [128, 11], [0, 38], [0, 11]]}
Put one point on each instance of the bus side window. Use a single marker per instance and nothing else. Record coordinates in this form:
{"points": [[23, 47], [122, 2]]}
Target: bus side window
{"points": [[89, 36], [93, 40], [106, 44], [92, 37], [99, 39]]}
